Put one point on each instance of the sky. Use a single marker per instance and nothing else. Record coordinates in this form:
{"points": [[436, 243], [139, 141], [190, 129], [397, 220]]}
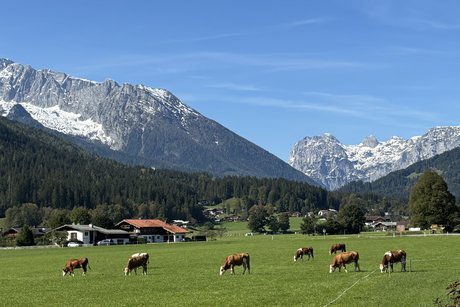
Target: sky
{"points": [[271, 71]]}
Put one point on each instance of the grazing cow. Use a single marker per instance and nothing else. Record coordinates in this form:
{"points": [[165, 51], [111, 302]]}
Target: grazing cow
{"points": [[342, 259], [308, 251], [137, 261], [236, 259], [72, 264], [391, 257], [140, 255], [337, 247]]}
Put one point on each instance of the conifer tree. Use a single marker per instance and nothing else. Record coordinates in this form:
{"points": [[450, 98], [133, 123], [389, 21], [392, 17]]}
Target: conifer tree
{"points": [[25, 237]]}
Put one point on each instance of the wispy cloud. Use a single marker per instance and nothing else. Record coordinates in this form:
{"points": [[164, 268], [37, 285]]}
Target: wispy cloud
{"points": [[367, 107], [247, 32], [403, 50], [426, 24], [236, 87], [205, 62], [304, 22]]}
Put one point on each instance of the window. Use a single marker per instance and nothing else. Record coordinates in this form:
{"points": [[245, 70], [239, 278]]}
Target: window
{"points": [[73, 236]]}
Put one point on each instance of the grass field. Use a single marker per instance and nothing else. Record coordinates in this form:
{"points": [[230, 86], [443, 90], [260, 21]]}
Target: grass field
{"points": [[186, 274]]}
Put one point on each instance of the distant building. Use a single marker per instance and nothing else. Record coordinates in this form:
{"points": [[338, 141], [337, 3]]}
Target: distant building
{"points": [[36, 231], [383, 226], [153, 230], [91, 234], [327, 213]]}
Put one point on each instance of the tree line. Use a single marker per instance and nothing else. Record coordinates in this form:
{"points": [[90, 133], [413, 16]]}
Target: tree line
{"points": [[39, 169], [47, 181]]}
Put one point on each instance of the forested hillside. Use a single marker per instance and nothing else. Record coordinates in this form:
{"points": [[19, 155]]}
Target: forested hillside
{"points": [[399, 184], [38, 168]]}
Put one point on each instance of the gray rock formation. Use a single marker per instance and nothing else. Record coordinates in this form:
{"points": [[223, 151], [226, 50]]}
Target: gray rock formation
{"points": [[143, 125], [326, 160]]}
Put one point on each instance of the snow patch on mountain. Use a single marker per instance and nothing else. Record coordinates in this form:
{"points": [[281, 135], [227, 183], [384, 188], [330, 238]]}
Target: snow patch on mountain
{"points": [[66, 122]]}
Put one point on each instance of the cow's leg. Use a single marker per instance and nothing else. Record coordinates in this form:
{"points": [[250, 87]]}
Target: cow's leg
{"points": [[357, 266], [345, 268], [144, 269], [232, 269], [391, 267], [244, 266], [403, 264]]}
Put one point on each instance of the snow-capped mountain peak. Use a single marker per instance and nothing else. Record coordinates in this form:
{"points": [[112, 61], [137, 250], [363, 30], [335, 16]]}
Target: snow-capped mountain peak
{"points": [[134, 124], [335, 164]]}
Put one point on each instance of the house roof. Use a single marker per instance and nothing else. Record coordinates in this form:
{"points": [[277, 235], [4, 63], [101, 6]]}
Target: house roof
{"points": [[154, 223], [91, 228], [37, 231]]}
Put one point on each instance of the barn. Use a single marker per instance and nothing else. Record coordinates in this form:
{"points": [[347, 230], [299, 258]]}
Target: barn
{"points": [[153, 230]]}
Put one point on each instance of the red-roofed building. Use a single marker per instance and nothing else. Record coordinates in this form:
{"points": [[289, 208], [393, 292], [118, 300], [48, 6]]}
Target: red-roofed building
{"points": [[153, 230]]}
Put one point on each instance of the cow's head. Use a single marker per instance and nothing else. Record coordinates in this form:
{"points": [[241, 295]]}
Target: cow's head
{"points": [[331, 268], [222, 270], [126, 271], [383, 267]]}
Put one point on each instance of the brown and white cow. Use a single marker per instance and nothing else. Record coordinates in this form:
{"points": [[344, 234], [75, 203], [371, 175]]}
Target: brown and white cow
{"points": [[236, 259], [342, 259], [391, 257], [72, 264], [337, 247], [140, 260], [299, 253], [141, 254]]}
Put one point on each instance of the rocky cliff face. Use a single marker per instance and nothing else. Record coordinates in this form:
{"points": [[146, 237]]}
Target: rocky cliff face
{"points": [[333, 164], [143, 125]]}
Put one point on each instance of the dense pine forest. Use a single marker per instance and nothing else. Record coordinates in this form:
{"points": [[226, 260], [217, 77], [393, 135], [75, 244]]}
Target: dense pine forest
{"points": [[41, 169]]}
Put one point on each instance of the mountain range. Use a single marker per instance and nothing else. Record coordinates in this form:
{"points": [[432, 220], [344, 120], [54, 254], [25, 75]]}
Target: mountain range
{"points": [[398, 184], [325, 159], [133, 124]]}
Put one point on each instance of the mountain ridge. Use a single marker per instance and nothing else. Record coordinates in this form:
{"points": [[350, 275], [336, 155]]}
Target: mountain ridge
{"points": [[142, 124], [325, 159]]}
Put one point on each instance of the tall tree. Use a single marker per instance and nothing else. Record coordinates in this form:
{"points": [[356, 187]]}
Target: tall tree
{"points": [[351, 218], [80, 215], [257, 218], [273, 224], [25, 237], [308, 225], [431, 202], [283, 221]]}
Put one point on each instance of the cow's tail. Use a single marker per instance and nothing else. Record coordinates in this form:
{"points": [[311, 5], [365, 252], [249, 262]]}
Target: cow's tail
{"points": [[249, 265]]}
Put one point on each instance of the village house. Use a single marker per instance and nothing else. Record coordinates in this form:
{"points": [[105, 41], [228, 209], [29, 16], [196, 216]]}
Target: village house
{"points": [[153, 230], [91, 234], [325, 214], [36, 231]]}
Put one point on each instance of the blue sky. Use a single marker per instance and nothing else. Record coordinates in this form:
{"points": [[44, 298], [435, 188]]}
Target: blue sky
{"points": [[271, 71]]}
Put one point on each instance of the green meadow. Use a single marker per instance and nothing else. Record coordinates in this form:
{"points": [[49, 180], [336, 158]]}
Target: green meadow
{"points": [[186, 274]]}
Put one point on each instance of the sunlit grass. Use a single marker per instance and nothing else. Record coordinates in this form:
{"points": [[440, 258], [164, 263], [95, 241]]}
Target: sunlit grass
{"points": [[186, 274]]}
